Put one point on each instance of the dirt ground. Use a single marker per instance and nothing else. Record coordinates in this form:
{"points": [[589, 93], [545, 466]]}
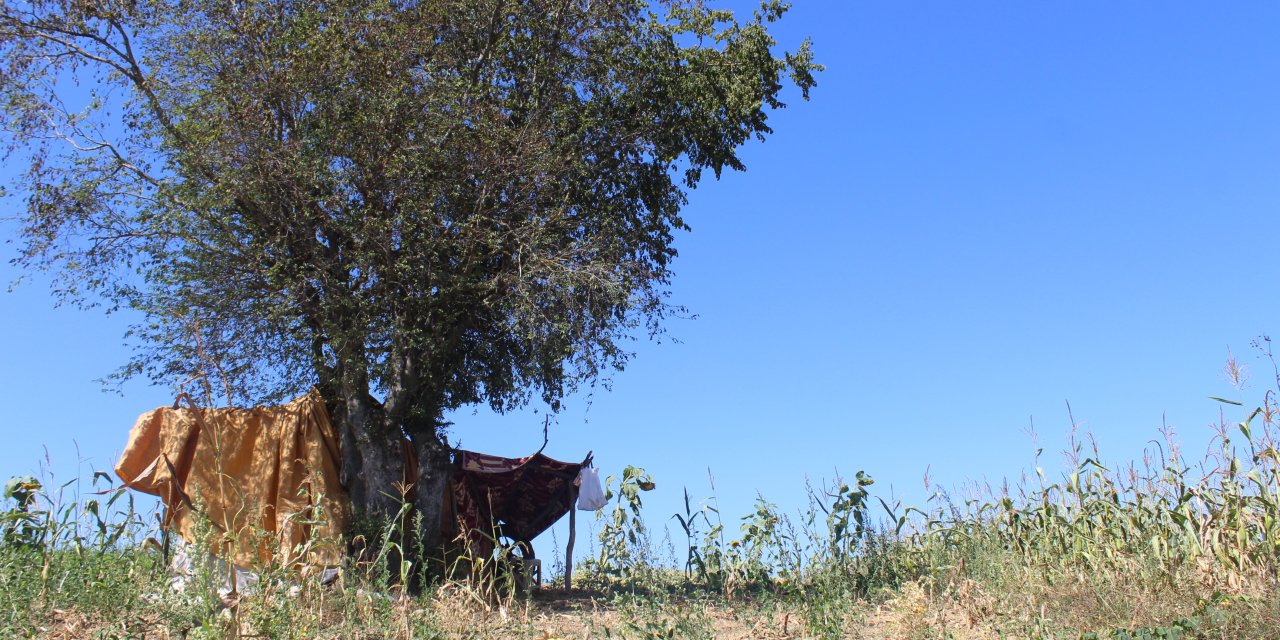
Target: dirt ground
{"points": [[580, 614], [555, 614]]}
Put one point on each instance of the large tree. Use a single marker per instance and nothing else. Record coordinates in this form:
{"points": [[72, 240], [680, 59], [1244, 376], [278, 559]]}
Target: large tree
{"points": [[414, 205]]}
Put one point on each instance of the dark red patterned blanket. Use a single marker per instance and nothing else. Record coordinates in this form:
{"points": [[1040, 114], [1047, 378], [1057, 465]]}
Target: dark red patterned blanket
{"points": [[518, 497]]}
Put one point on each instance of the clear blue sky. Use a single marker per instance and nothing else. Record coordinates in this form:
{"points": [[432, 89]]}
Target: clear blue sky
{"points": [[986, 210]]}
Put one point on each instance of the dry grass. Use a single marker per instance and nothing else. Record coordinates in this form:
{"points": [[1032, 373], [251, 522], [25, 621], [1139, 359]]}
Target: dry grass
{"points": [[1165, 548]]}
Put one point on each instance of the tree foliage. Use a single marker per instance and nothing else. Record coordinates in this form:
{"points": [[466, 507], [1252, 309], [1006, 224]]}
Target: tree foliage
{"points": [[441, 202]]}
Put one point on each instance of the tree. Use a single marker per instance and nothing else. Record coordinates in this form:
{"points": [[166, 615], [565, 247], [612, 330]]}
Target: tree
{"points": [[414, 205]]}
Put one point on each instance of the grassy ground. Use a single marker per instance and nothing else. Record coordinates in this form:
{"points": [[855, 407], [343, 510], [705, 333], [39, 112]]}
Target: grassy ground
{"points": [[910, 612], [1166, 548]]}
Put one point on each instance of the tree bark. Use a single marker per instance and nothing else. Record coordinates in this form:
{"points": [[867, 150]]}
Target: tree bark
{"points": [[372, 458], [373, 472], [435, 469]]}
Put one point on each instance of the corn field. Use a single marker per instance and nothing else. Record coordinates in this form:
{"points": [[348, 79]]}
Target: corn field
{"points": [[1164, 547]]}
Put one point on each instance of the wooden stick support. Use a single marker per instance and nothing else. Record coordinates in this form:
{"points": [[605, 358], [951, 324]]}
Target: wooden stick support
{"points": [[573, 530]]}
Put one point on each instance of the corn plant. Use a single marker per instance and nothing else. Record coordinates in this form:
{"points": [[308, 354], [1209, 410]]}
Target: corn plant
{"points": [[623, 531]]}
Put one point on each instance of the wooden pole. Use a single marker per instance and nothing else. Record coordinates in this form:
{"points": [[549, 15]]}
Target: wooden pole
{"points": [[573, 530], [573, 523]]}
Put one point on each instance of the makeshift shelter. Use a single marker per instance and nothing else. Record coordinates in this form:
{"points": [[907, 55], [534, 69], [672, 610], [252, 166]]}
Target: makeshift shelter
{"points": [[270, 476], [516, 498]]}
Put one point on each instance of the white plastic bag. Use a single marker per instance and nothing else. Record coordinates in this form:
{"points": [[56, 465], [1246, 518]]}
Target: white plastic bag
{"points": [[590, 493]]}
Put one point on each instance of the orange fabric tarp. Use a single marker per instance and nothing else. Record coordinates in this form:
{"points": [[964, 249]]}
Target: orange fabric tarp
{"points": [[269, 476]]}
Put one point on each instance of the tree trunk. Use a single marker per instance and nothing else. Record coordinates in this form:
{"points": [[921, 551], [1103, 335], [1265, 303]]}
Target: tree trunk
{"points": [[372, 458], [435, 469], [373, 471]]}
